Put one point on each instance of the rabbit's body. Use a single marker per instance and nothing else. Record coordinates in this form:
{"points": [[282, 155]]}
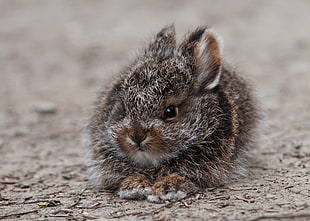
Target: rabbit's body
{"points": [[177, 120]]}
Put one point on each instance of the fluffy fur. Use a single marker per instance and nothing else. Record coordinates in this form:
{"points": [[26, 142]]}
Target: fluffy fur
{"points": [[139, 152]]}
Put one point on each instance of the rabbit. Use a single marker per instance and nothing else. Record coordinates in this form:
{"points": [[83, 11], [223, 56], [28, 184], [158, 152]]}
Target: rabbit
{"points": [[176, 121]]}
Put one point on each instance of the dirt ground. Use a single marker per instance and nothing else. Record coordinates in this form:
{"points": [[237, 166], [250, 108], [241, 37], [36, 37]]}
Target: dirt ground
{"points": [[55, 56]]}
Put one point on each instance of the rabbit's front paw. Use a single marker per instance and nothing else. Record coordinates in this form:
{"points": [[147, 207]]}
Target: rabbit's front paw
{"points": [[172, 187], [135, 187]]}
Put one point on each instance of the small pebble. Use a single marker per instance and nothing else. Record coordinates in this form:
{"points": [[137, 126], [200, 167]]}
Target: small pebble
{"points": [[46, 108], [269, 196], [231, 218], [301, 204], [20, 132]]}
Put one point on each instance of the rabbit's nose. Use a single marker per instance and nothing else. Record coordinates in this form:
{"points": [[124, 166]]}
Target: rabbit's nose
{"points": [[137, 134], [138, 138]]}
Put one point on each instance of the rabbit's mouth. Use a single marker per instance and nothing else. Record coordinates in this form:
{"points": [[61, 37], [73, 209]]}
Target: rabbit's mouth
{"points": [[145, 154], [147, 149]]}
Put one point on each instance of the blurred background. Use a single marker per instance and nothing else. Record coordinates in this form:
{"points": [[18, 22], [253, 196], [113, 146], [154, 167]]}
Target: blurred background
{"points": [[63, 51], [56, 55]]}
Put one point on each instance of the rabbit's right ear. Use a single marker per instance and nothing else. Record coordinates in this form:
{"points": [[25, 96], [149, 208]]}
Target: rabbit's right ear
{"points": [[163, 44], [203, 49]]}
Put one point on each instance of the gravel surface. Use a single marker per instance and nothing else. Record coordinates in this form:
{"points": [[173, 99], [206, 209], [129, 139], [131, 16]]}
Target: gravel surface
{"points": [[55, 56]]}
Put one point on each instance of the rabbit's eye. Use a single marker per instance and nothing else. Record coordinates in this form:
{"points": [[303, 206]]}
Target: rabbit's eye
{"points": [[170, 112]]}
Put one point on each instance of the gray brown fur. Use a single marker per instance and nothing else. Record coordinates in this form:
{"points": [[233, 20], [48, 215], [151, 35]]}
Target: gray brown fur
{"points": [[137, 153]]}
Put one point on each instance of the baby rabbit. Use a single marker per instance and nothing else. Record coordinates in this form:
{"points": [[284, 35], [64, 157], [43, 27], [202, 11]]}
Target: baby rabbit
{"points": [[177, 120]]}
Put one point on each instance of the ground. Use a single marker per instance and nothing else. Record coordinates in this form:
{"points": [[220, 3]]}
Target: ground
{"points": [[55, 56]]}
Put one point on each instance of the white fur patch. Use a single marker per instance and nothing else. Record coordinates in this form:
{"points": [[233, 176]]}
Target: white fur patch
{"points": [[145, 158], [153, 198], [215, 82], [135, 193], [169, 196]]}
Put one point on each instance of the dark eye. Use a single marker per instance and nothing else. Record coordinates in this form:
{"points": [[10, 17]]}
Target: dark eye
{"points": [[170, 112]]}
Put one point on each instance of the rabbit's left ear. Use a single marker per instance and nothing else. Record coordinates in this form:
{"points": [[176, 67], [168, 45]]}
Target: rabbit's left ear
{"points": [[208, 54], [203, 48], [163, 44]]}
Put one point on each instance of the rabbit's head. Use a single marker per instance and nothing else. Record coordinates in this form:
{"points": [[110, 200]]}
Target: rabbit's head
{"points": [[165, 101]]}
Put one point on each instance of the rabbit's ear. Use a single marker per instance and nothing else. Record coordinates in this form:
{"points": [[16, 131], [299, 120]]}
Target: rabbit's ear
{"points": [[208, 54], [163, 44], [204, 49]]}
